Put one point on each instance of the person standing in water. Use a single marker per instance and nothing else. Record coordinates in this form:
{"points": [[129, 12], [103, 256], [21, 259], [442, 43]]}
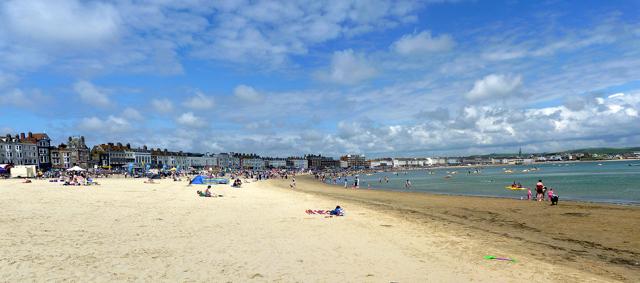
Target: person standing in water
{"points": [[539, 190]]}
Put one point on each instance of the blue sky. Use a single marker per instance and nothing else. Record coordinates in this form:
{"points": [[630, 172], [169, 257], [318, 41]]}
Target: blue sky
{"points": [[402, 78]]}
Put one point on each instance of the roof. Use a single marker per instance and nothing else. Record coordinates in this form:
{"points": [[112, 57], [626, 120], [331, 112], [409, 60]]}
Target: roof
{"points": [[34, 138]]}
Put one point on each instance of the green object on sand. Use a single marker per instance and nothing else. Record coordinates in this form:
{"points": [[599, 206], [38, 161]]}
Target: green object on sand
{"points": [[499, 258]]}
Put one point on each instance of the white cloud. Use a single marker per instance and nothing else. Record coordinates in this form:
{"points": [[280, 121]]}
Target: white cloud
{"points": [[199, 101], [111, 124], [131, 114], [272, 30], [65, 22], [347, 67], [24, 99], [494, 86], [423, 42], [190, 120], [90, 94], [247, 93], [162, 105], [7, 80]]}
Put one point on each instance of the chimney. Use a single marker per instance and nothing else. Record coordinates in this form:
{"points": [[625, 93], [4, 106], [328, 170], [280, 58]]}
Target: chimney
{"points": [[110, 144], [82, 139], [144, 147], [30, 135], [128, 146], [22, 136]]}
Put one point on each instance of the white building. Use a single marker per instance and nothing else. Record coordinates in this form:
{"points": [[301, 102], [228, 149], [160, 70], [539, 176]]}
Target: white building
{"points": [[298, 163], [383, 162], [276, 163], [252, 163]]}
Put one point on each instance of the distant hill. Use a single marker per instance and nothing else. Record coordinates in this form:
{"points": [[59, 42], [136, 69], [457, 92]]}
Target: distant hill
{"points": [[594, 150], [605, 150]]}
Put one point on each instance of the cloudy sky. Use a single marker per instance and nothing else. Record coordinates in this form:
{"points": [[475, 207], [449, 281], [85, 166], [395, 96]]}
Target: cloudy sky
{"points": [[293, 77]]}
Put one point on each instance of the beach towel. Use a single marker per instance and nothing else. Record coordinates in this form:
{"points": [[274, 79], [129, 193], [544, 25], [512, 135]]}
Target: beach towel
{"points": [[317, 211], [325, 212]]}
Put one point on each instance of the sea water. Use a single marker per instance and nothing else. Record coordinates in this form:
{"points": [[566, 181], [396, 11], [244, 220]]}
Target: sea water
{"points": [[612, 182]]}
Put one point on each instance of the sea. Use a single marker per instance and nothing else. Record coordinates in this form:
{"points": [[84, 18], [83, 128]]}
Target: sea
{"points": [[608, 182]]}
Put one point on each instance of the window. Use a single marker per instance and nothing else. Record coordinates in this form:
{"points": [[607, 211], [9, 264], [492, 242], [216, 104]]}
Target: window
{"points": [[19, 154], [18, 147], [7, 147], [66, 160]]}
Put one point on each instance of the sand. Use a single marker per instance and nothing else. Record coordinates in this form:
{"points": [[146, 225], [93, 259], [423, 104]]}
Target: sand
{"points": [[125, 230]]}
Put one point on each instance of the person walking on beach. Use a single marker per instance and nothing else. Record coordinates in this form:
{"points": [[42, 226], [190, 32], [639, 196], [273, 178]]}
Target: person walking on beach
{"points": [[346, 183], [528, 193], [293, 183], [539, 190]]}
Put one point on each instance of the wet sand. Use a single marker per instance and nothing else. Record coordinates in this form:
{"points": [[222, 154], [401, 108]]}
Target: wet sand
{"points": [[595, 238]]}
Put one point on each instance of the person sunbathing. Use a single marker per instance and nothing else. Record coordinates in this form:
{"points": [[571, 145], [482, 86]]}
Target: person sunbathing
{"points": [[26, 181], [338, 211]]}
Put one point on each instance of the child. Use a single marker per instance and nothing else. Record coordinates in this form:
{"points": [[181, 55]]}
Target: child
{"points": [[550, 194], [529, 194]]}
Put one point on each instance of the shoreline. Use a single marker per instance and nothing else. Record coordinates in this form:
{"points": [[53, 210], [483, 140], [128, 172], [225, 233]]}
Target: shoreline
{"points": [[597, 237], [426, 169], [631, 204]]}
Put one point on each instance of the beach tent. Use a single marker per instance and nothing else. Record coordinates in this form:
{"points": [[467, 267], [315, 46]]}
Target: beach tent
{"points": [[4, 168], [76, 168], [198, 180], [23, 171]]}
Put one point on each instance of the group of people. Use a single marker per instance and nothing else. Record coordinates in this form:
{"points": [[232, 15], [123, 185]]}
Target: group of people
{"points": [[541, 191]]}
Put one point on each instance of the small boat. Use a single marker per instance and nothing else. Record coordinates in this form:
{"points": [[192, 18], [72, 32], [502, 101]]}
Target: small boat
{"points": [[515, 188], [508, 171], [447, 177]]}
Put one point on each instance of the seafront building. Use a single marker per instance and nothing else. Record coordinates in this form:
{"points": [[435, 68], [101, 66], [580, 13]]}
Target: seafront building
{"points": [[43, 144], [35, 149], [18, 151], [299, 163], [356, 161], [277, 163]]}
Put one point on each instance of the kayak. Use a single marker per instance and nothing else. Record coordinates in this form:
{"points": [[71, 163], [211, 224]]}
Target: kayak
{"points": [[514, 188]]}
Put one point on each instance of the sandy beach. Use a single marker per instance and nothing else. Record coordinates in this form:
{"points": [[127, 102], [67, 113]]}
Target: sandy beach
{"points": [[125, 230]]}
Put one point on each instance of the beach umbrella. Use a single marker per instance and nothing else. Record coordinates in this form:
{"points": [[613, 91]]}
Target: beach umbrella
{"points": [[76, 168]]}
